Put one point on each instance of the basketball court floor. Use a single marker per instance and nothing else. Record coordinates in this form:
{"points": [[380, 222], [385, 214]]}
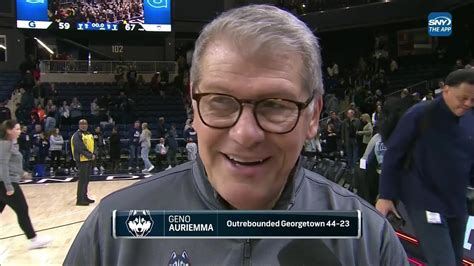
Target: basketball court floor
{"points": [[53, 212]]}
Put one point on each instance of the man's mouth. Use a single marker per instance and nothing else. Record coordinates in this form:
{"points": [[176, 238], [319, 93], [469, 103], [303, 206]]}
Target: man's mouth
{"points": [[245, 161]]}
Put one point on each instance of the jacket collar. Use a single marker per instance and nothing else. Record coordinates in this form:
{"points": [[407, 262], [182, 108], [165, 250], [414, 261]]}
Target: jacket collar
{"points": [[213, 200]]}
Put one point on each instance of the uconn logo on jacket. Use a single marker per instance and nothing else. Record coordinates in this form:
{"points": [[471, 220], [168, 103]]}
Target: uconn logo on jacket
{"points": [[179, 259]]}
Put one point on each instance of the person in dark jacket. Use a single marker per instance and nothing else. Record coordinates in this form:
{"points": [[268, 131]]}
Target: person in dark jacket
{"points": [[257, 95], [428, 165], [350, 126], [162, 129], [114, 150], [134, 146], [82, 146], [172, 145], [24, 143]]}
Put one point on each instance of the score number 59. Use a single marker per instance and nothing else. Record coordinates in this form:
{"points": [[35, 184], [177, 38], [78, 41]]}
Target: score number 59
{"points": [[64, 25]]}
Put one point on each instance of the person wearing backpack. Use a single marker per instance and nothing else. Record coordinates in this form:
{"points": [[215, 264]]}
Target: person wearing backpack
{"points": [[428, 165]]}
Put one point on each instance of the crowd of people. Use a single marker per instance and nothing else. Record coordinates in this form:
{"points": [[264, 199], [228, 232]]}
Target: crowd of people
{"points": [[95, 11]]}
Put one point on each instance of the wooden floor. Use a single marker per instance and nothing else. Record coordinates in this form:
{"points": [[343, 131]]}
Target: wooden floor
{"points": [[53, 212]]}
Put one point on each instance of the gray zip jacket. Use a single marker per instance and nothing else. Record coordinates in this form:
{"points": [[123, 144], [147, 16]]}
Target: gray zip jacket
{"points": [[11, 164], [186, 187]]}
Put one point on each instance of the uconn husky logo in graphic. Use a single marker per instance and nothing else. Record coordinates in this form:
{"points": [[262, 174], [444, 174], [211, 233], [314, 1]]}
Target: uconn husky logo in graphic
{"points": [[35, 1], [139, 223], [158, 3], [179, 260]]}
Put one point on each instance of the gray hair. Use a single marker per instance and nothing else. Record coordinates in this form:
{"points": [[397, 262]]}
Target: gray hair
{"points": [[269, 29]]}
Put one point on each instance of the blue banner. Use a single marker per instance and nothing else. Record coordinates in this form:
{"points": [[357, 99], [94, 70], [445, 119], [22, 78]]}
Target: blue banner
{"points": [[33, 10], [235, 224]]}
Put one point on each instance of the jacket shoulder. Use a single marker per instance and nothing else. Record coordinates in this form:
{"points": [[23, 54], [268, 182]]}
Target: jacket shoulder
{"points": [[155, 192], [331, 196]]}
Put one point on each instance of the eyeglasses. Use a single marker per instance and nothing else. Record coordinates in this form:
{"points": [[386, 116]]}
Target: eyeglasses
{"points": [[273, 115]]}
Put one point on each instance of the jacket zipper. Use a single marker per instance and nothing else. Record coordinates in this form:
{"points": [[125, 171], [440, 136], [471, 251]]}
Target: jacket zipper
{"points": [[247, 253]]}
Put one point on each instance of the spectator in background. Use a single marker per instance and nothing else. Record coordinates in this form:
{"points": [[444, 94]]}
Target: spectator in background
{"points": [[132, 78], [43, 148], [162, 129], [145, 143], [333, 70], [349, 138], [428, 97], [187, 125], [161, 150], [24, 143], [366, 132], [331, 103], [114, 150], [459, 65], [134, 146], [35, 140], [191, 149], [440, 88], [53, 93], [393, 65], [50, 123], [56, 143], [190, 133], [335, 121], [21, 114], [172, 146], [95, 111], [376, 114], [5, 113], [100, 150], [40, 112], [50, 107], [330, 139], [65, 114], [75, 110]]}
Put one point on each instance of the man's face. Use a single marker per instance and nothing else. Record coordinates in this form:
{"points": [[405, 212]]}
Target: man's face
{"points": [[350, 114], [333, 115], [266, 158], [38, 128], [83, 126], [137, 125], [459, 99]]}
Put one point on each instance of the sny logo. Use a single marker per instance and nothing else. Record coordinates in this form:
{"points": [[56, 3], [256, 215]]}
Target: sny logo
{"points": [[35, 1], [440, 24], [158, 3], [139, 223], [179, 260]]}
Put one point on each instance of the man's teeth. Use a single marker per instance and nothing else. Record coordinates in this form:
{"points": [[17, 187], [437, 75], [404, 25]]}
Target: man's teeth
{"points": [[238, 160]]}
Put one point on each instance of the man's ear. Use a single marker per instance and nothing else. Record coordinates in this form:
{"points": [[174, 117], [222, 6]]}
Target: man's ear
{"points": [[314, 123]]}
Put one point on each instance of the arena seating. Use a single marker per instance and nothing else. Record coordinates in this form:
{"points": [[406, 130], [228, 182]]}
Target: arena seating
{"points": [[7, 84]]}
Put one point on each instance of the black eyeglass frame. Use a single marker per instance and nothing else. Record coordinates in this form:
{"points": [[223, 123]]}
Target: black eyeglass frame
{"points": [[301, 106]]}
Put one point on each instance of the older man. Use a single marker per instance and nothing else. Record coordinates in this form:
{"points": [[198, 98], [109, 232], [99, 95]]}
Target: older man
{"points": [[256, 89], [82, 145]]}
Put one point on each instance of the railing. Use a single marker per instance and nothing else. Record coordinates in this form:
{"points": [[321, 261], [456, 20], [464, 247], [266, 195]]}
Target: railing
{"points": [[106, 67]]}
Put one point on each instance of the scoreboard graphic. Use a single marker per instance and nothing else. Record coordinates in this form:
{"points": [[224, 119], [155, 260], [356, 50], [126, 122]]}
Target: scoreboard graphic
{"points": [[95, 15]]}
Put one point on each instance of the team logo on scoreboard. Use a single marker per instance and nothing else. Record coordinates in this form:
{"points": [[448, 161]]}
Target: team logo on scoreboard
{"points": [[179, 259], [158, 3], [32, 24], [139, 223], [35, 1]]}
